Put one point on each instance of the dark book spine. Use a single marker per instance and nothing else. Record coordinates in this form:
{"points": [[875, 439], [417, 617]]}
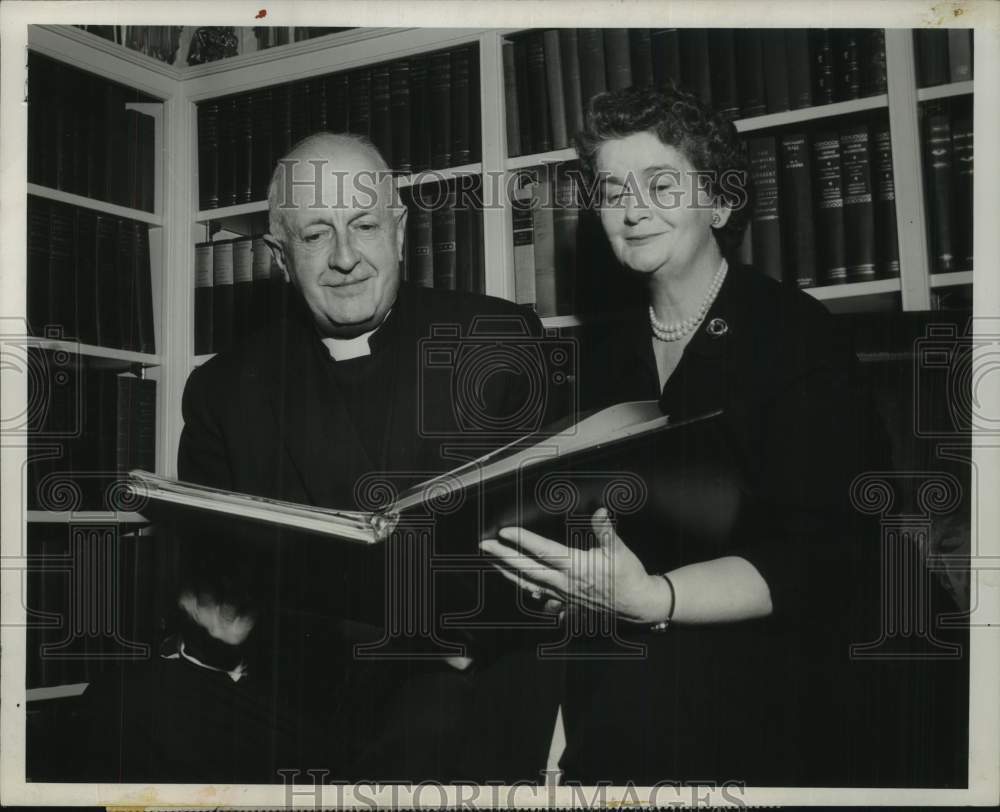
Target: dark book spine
{"points": [[381, 116], [775, 57], [337, 102], [617, 59], [475, 108], [800, 65], [666, 54], [203, 298], [750, 80], [766, 222], [421, 251], [569, 52], [798, 226], [300, 100], [147, 163], [538, 93], [439, 100], [359, 86], [859, 209], [565, 221], [938, 173], [399, 98], [281, 122], [116, 148], [640, 49], [523, 228], [524, 96], [222, 295], [420, 138], [84, 254], [593, 75], [38, 97], [133, 158], [262, 159], [127, 294], [443, 232], [461, 105], [546, 296], [887, 241], [874, 78], [695, 72], [829, 208], [243, 126], [961, 139], [105, 261], [932, 56], [847, 59], [825, 72], [62, 271], [135, 442], [146, 327], [83, 141], [959, 54], [227, 152], [465, 248], [242, 288], [58, 163], [96, 143], [39, 240], [510, 107], [554, 90], [318, 113], [260, 273]]}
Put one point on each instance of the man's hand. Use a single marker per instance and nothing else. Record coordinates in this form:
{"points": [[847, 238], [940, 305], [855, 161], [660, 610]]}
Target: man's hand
{"points": [[222, 621]]}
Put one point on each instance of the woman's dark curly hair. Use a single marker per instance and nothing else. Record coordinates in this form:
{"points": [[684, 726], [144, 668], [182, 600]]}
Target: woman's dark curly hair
{"points": [[680, 120]]}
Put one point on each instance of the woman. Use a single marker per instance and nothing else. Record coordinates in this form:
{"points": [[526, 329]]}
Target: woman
{"points": [[746, 676]]}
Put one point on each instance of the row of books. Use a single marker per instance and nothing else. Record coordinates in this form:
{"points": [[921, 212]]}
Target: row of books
{"points": [[824, 205], [549, 76], [96, 423], [421, 113], [943, 55], [82, 139], [948, 181], [89, 277], [92, 594]]}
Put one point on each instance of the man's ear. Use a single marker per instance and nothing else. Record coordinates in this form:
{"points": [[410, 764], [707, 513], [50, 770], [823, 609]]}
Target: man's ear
{"points": [[278, 254], [401, 216]]}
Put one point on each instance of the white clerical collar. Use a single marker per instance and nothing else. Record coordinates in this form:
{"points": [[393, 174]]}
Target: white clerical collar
{"points": [[344, 349]]}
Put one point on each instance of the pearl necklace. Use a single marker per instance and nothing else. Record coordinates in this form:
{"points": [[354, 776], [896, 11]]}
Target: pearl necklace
{"points": [[675, 332]]}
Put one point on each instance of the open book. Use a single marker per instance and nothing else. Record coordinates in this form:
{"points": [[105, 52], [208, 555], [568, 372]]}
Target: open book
{"points": [[495, 483]]}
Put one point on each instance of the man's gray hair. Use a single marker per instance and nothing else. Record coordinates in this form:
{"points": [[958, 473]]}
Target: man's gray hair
{"points": [[312, 143]]}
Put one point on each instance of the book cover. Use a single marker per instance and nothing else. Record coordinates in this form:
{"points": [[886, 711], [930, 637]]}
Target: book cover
{"points": [[62, 281], [617, 58], [381, 114], [242, 287], [227, 152], [800, 68], [300, 102], [421, 247], [933, 63], [208, 154], [126, 294], [443, 235], [281, 130], [565, 220], [886, 239], [243, 142], [85, 256], [146, 326], [262, 159], [420, 129], [798, 225], [569, 52], [959, 54], [109, 327], [546, 296], [510, 106], [696, 74], [359, 85], [37, 293], [847, 59], [439, 101], [938, 170], [399, 102], [554, 88], [829, 207], [203, 307], [775, 59], [640, 49], [522, 220], [222, 295], [338, 103], [523, 96], [666, 55], [461, 106], [824, 67], [750, 76], [874, 76], [961, 140], [723, 60], [538, 100], [859, 209], [593, 72], [766, 218]]}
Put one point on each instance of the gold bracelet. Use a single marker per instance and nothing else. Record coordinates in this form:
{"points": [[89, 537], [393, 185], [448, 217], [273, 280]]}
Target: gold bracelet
{"points": [[663, 625]]}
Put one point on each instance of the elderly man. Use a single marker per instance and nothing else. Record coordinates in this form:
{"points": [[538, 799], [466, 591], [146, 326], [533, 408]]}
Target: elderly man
{"points": [[303, 411]]}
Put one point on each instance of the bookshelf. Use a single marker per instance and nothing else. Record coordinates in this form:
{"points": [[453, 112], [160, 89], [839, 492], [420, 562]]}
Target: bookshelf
{"points": [[179, 221]]}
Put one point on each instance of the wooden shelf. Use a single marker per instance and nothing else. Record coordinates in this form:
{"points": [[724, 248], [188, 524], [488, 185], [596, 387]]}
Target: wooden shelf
{"points": [[556, 156], [561, 321], [852, 289], [114, 210], [945, 280], [746, 125], [945, 91], [55, 692], [92, 351], [84, 517]]}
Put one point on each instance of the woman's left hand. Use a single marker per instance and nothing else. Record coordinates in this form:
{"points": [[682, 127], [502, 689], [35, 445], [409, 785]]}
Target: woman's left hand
{"points": [[607, 578]]}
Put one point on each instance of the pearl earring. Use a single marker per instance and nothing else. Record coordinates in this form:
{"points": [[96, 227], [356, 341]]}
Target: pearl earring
{"points": [[716, 218]]}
